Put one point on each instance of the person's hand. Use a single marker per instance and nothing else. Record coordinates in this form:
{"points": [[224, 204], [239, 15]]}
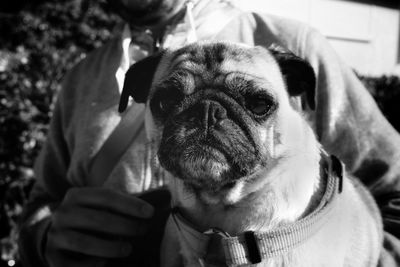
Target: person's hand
{"points": [[94, 224]]}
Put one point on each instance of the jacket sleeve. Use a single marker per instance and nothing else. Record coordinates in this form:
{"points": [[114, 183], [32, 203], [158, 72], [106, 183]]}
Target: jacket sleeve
{"points": [[48, 190], [350, 125]]}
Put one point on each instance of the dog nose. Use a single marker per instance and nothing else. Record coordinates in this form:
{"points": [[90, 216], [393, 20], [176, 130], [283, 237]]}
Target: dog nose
{"points": [[212, 113]]}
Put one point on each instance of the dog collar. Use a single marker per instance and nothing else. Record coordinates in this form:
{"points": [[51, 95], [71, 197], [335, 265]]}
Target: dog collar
{"points": [[253, 247]]}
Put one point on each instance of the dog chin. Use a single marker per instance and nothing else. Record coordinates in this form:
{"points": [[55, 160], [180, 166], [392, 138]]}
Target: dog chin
{"points": [[208, 169], [205, 167], [219, 184], [226, 197]]}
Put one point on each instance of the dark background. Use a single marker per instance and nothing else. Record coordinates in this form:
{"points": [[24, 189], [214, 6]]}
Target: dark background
{"points": [[386, 3], [39, 41]]}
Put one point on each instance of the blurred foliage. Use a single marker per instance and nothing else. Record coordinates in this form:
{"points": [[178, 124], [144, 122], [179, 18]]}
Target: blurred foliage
{"points": [[39, 42]]}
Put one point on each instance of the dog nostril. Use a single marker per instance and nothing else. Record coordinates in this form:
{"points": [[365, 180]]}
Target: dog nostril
{"points": [[218, 114], [210, 113], [213, 113]]}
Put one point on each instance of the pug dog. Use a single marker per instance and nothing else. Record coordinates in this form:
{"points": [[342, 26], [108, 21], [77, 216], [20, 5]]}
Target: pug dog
{"points": [[250, 184]]}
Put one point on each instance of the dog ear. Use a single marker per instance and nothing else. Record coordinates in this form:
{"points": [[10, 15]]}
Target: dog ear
{"points": [[298, 73], [138, 80]]}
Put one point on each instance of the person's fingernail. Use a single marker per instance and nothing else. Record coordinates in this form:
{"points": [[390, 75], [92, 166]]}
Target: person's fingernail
{"points": [[147, 210]]}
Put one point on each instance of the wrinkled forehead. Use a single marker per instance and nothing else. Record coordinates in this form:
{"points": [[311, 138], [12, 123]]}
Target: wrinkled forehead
{"points": [[209, 63]]}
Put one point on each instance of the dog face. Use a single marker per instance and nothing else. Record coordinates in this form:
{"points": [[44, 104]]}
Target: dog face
{"points": [[220, 113]]}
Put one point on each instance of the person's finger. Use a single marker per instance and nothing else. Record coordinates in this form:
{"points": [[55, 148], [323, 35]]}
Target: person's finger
{"points": [[98, 221], [111, 200], [87, 244]]}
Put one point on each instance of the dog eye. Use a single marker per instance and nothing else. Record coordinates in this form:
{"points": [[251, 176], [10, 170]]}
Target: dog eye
{"points": [[259, 105], [165, 100], [164, 105]]}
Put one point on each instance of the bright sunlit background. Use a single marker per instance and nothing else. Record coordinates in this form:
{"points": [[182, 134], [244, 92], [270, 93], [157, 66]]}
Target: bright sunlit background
{"points": [[364, 33]]}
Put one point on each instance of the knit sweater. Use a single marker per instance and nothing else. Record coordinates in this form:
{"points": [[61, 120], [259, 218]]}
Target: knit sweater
{"points": [[346, 120]]}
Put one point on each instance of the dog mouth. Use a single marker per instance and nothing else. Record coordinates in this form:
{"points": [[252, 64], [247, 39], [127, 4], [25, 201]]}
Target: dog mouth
{"points": [[211, 161], [208, 168]]}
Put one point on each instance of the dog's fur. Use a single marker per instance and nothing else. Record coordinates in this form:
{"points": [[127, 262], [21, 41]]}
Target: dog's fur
{"points": [[240, 155]]}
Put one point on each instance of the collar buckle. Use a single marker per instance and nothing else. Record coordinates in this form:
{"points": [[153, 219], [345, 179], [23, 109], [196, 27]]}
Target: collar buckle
{"points": [[215, 249], [217, 231]]}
